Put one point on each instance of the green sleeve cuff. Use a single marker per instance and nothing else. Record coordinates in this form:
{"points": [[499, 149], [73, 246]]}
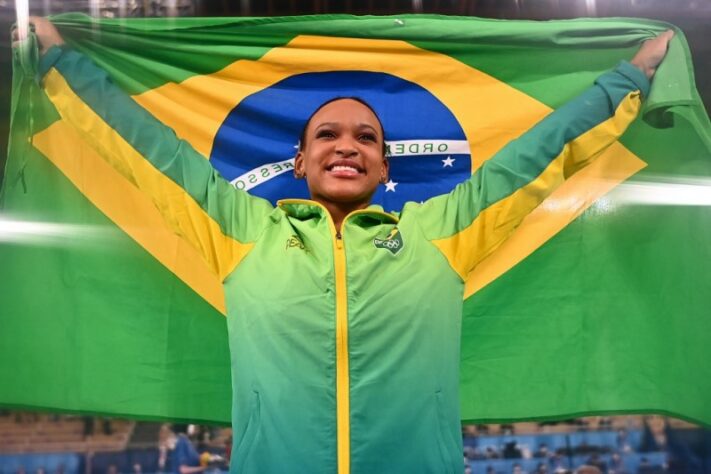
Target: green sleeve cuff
{"points": [[634, 74], [48, 60]]}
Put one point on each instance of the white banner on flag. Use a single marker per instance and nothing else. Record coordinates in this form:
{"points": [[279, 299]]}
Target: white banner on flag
{"points": [[267, 171]]}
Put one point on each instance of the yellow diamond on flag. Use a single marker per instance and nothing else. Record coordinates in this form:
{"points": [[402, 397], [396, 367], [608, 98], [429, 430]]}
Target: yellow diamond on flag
{"points": [[490, 112]]}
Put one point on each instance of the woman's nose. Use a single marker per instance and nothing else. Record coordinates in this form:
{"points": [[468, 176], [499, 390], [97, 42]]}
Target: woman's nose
{"points": [[346, 148]]}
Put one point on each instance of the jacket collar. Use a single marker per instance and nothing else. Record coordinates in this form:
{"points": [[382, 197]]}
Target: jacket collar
{"points": [[304, 209]]}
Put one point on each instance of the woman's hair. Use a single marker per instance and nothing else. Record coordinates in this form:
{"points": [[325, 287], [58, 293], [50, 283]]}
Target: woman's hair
{"points": [[302, 137]]}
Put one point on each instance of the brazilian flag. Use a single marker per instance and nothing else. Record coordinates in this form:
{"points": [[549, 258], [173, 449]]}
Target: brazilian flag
{"points": [[599, 303]]}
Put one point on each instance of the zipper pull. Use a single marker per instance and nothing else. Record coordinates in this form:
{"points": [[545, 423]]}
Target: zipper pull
{"points": [[339, 240]]}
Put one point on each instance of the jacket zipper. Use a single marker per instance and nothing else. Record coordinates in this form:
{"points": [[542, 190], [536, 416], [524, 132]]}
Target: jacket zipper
{"points": [[342, 375], [343, 429]]}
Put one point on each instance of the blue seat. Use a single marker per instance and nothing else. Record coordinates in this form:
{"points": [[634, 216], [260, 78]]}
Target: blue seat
{"points": [[50, 462], [102, 460]]}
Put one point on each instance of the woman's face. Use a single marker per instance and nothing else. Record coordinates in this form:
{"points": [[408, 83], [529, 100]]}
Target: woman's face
{"points": [[342, 157]]}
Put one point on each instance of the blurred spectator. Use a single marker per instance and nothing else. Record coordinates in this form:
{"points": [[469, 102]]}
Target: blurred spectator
{"points": [[468, 469], [185, 458], [228, 450], [649, 442], [596, 461], [517, 469], [162, 457], [112, 469], [473, 454], [507, 429], [542, 451], [468, 453], [541, 468], [490, 470], [137, 468], [616, 465], [490, 453], [557, 464], [203, 438], [525, 451], [511, 451], [623, 444]]}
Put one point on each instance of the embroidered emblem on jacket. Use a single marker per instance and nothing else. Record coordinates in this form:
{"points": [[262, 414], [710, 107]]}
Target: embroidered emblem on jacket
{"points": [[294, 241], [392, 242]]}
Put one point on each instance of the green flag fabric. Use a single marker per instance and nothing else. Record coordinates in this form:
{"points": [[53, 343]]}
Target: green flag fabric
{"points": [[598, 303]]}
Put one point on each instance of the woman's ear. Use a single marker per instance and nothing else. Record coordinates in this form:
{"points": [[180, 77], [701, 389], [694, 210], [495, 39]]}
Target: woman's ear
{"points": [[385, 171], [299, 172]]}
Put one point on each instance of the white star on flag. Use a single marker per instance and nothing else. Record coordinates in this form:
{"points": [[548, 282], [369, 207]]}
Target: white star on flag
{"points": [[448, 162], [390, 186]]}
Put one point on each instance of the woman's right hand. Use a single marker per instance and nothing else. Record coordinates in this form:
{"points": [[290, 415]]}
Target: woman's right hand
{"points": [[47, 34]]}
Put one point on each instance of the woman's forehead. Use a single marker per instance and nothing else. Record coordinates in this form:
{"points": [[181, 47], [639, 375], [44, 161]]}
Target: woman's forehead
{"points": [[345, 112]]}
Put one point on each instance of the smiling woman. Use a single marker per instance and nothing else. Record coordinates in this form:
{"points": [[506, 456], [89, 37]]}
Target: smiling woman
{"points": [[344, 320]]}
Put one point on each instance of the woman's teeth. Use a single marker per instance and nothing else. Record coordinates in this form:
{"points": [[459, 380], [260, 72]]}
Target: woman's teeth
{"points": [[344, 168]]}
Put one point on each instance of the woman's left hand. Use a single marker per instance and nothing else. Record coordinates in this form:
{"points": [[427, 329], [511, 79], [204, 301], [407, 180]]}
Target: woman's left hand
{"points": [[652, 52]]}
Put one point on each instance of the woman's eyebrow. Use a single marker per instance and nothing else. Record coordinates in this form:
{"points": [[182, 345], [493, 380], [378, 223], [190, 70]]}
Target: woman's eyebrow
{"points": [[359, 126], [326, 124], [367, 125]]}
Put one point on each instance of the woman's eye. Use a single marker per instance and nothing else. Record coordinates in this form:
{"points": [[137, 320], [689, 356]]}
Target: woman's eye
{"points": [[367, 137], [325, 134]]}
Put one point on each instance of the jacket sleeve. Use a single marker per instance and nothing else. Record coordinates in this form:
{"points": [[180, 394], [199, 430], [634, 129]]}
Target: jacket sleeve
{"points": [[469, 223], [220, 221]]}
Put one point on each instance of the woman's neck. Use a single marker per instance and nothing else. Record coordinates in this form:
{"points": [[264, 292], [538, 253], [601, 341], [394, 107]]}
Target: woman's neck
{"points": [[339, 210]]}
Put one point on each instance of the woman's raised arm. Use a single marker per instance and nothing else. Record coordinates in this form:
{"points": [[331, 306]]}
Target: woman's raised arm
{"points": [[473, 220], [190, 194]]}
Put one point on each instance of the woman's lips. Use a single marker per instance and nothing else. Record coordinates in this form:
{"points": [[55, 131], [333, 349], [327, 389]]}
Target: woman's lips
{"points": [[344, 171]]}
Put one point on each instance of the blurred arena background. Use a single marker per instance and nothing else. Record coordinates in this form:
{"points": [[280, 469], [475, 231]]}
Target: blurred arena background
{"points": [[42, 443], [46, 443]]}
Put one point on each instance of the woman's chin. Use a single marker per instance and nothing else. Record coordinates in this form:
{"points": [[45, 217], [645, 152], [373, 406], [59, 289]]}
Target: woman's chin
{"points": [[347, 195]]}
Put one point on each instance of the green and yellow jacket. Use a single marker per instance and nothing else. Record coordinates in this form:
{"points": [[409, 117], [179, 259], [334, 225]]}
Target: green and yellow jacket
{"points": [[344, 346]]}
